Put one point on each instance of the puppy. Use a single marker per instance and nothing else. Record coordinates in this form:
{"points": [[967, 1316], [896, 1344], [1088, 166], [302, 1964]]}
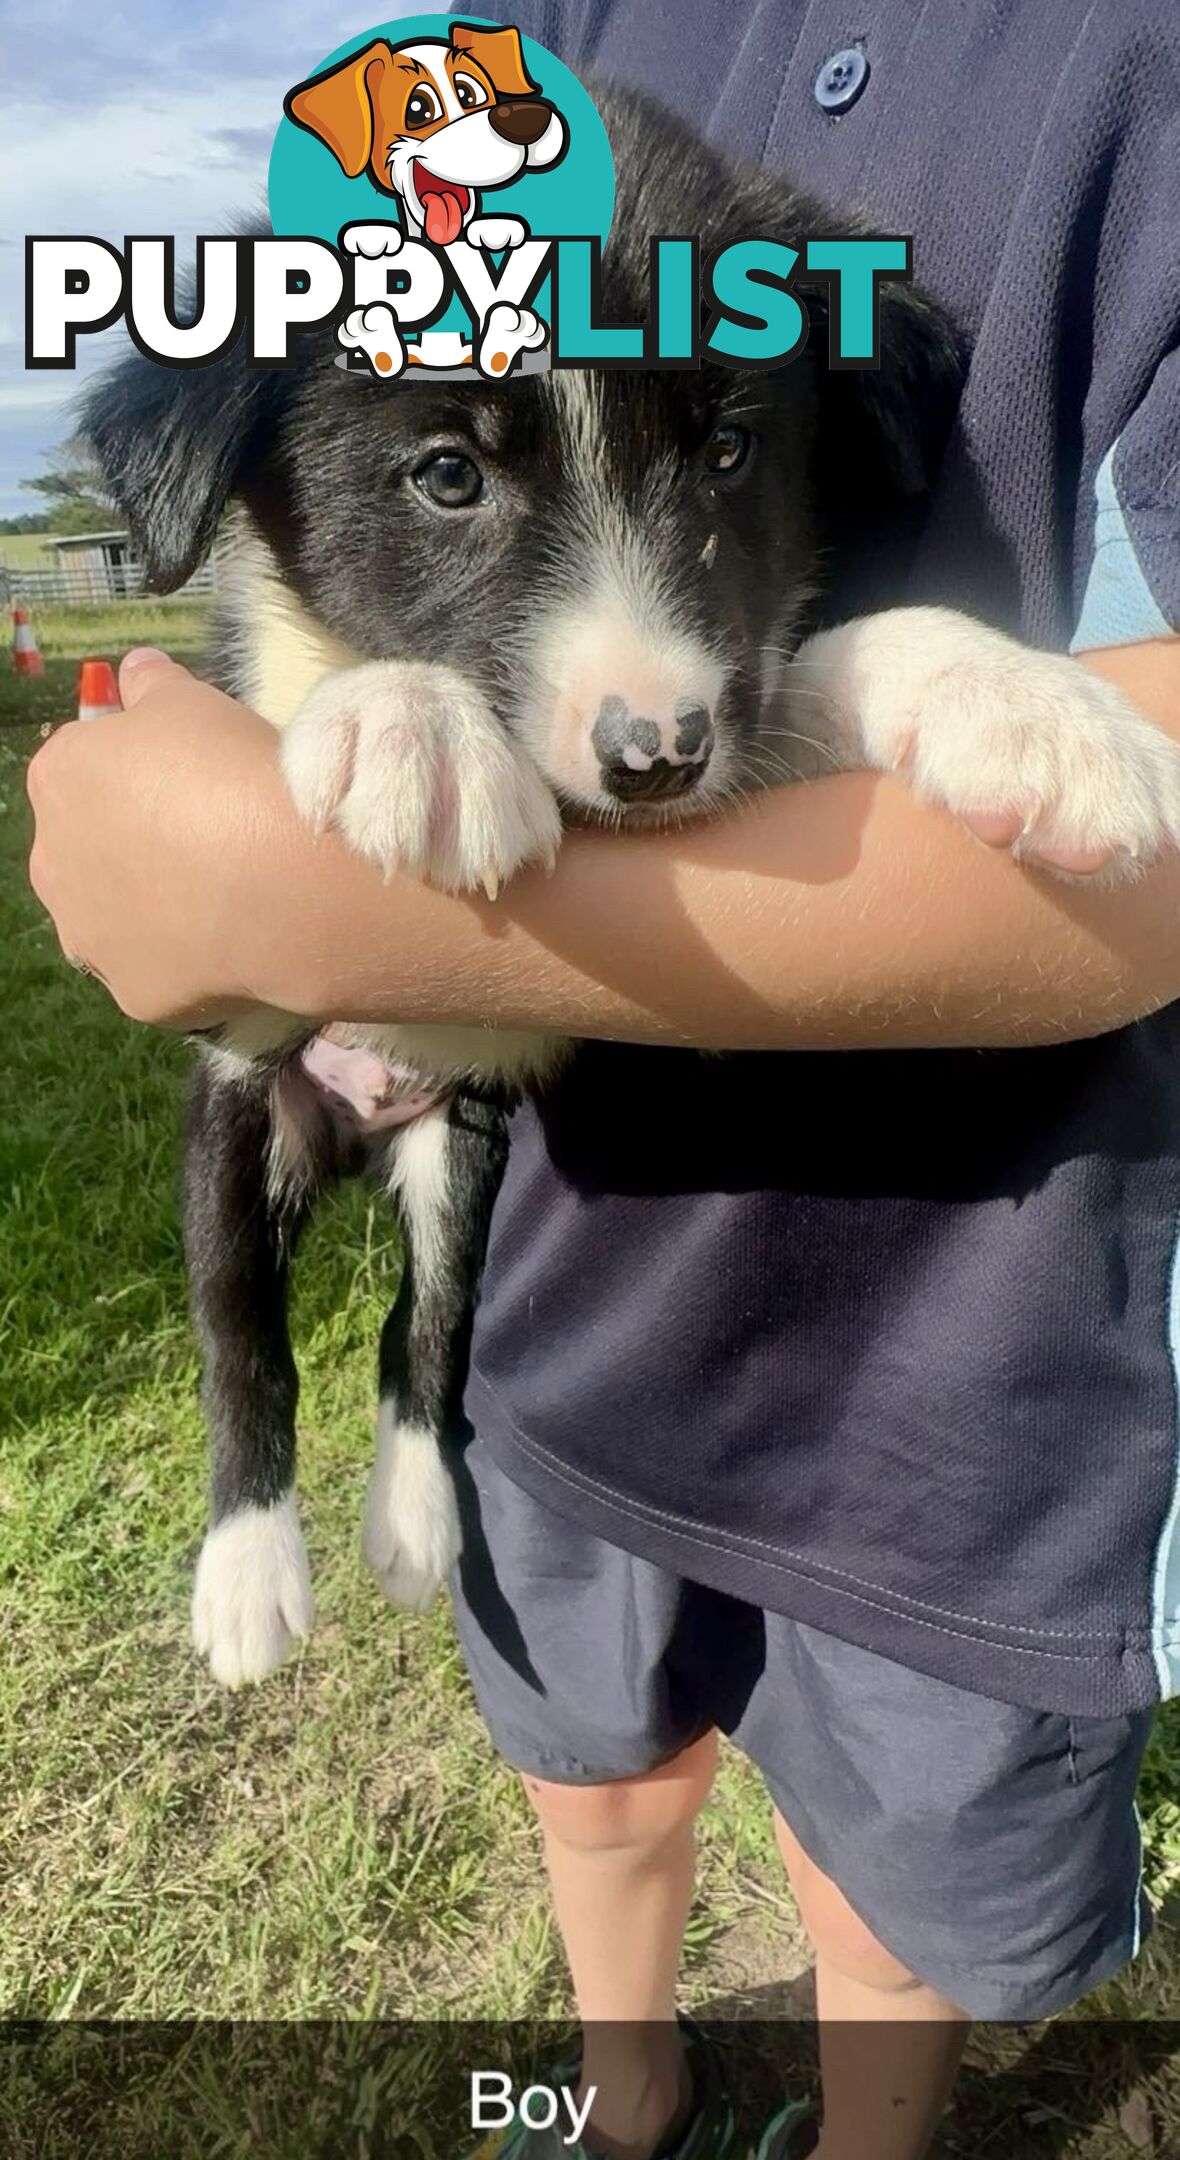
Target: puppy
{"points": [[478, 613]]}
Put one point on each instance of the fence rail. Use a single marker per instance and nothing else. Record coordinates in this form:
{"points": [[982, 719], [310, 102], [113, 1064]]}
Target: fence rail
{"points": [[90, 584]]}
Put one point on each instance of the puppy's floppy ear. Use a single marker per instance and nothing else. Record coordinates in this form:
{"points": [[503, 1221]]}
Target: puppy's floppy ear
{"points": [[880, 437], [499, 53], [338, 105], [891, 423], [171, 443]]}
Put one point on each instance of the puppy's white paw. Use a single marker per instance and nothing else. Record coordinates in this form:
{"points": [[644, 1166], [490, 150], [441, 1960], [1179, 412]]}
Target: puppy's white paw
{"points": [[496, 233], [374, 331], [372, 241], [411, 1537], [411, 764], [252, 1593], [505, 332], [1032, 751]]}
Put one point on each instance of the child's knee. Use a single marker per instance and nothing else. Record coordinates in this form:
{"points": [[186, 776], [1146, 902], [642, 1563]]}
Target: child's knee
{"points": [[842, 1940], [638, 1813], [838, 1934]]}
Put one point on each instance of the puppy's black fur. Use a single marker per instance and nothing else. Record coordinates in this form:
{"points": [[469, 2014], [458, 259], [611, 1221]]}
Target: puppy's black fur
{"points": [[321, 464]]}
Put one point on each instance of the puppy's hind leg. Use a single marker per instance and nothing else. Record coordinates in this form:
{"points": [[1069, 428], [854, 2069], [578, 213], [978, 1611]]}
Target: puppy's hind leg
{"points": [[252, 1592], [444, 1171]]}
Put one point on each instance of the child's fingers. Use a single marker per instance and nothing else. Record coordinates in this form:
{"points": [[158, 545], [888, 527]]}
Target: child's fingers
{"points": [[145, 669]]}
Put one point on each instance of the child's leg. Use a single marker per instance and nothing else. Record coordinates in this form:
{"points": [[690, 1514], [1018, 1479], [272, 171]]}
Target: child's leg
{"points": [[578, 1653], [990, 1850], [889, 2047], [621, 1862]]}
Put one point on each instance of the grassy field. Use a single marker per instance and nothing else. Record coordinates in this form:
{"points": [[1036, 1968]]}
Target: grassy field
{"points": [[25, 551], [341, 1843]]}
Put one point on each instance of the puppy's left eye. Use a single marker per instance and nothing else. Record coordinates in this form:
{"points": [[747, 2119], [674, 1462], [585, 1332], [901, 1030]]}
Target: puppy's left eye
{"points": [[451, 480], [727, 449], [469, 93]]}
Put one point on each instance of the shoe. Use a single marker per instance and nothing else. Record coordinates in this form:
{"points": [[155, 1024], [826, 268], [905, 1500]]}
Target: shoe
{"points": [[791, 2134], [710, 2134]]}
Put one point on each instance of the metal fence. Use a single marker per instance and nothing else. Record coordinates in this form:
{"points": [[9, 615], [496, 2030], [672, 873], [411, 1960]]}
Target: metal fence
{"points": [[89, 584]]}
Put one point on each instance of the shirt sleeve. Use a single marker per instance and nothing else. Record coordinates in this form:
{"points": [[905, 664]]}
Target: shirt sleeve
{"points": [[1133, 588]]}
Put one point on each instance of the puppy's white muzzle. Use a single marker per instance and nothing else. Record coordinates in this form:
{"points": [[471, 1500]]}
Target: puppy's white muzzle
{"points": [[624, 712]]}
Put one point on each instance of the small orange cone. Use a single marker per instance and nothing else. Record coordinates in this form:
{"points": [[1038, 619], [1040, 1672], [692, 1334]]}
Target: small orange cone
{"points": [[26, 657], [98, 692]]}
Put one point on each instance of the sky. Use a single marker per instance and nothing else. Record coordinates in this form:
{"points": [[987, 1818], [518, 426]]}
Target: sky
{"points": [[148, 118]]}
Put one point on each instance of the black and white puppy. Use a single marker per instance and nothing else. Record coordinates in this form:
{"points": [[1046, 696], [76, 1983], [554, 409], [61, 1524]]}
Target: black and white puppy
{"points": [[478, 612]]}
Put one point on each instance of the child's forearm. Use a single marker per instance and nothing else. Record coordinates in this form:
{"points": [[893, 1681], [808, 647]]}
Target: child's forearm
{"points": [[838, 914], [843, 913]]}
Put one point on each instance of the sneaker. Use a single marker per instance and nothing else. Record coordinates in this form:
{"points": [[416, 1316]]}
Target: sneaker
{"points": [[710, 2134], [791, 2134]]}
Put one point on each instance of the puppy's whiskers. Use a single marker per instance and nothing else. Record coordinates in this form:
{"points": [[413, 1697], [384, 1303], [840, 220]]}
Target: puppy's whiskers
{"points": [[808, 742]]}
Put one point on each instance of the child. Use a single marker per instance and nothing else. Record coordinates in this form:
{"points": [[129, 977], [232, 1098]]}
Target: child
{"points": [[829, 1401]]}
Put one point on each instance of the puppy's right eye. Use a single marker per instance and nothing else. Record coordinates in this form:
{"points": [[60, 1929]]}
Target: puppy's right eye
{"points": [[451, 480]]}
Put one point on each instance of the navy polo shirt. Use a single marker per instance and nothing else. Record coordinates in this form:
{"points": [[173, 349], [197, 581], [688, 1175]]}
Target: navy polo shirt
{"points": [[890, 1341]]}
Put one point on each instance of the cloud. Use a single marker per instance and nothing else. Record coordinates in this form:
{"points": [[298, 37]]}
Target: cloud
{"points": [[143, 47], [169, 164], [38, 391], [247, 145], [158, 119]]}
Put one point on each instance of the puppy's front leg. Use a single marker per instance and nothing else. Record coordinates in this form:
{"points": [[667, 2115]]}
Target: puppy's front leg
{"points": [[409, 761], [1027, 747]]}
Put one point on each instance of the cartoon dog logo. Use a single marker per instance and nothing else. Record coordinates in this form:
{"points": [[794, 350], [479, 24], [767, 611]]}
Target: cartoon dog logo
{"points": [[436, 123]]}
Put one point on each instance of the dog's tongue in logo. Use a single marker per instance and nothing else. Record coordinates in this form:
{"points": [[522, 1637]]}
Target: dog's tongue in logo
{"points": [[437, 123], [444, 205]]}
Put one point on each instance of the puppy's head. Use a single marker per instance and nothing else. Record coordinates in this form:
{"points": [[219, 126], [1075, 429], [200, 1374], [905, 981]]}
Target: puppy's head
{"points": [[433, 122], [624, 562]]}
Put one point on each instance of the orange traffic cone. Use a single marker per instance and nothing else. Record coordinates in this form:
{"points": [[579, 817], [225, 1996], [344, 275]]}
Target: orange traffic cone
{"points": [[26, 658], [98, 692]]}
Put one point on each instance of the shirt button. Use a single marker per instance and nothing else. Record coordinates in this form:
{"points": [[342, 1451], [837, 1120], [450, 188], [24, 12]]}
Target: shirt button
{"points": [[841, 80]]}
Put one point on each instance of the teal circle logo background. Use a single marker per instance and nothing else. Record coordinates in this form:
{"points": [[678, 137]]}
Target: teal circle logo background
{"points": [[309, 195]]}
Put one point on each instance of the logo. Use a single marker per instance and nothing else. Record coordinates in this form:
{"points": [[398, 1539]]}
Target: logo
{"points": [[440, 192], [445, 158]]}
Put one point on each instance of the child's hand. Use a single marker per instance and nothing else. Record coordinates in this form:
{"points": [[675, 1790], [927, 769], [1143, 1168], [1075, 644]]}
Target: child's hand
{"points": [[147, 824]]}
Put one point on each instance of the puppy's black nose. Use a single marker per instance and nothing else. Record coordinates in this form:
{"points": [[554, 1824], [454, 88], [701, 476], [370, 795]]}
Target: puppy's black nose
{"points": [[643, 760], [694, 732], [522, 120]]}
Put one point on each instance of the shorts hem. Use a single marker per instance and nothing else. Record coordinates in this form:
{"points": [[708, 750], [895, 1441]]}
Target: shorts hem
{"points": [[1024, 2004], [521, 1754]]}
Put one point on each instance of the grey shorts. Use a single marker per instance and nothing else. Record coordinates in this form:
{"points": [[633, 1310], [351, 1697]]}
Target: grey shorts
{"points": [[994, 1850]]}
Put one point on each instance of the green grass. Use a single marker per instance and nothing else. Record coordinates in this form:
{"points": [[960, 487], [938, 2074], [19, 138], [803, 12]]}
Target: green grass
{"points": [[340, 1843], [26, 551], [68, 635]]}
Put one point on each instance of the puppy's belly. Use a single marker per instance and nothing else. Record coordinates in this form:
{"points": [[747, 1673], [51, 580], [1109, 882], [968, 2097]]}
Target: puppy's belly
{"points": [[369, 1081], [441, 1057]]}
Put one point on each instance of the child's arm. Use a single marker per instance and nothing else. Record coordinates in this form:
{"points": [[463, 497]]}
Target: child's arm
{"points": [[842, 914]]}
